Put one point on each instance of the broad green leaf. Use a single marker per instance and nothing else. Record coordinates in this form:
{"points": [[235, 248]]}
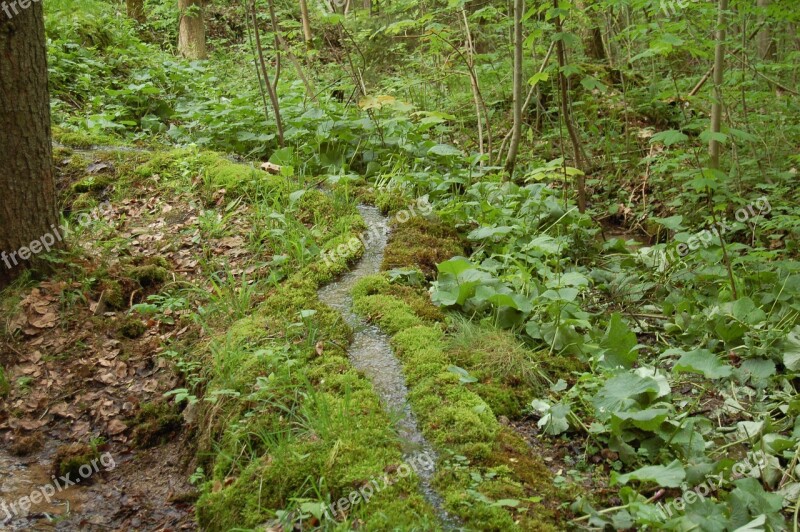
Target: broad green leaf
{"points": [[455, 266], [536, 78], [673, 223], [489, 232], [648, 419], [708, 135], [445, 150], [621, 391], [463, 375], [669, 476], [283, 156], [619, 344], [704, 362], [791, 353], [669, 137], [590, 83]]}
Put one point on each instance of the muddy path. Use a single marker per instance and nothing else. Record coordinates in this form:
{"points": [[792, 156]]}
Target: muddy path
{"points": [[67, 410], [81, 386]]}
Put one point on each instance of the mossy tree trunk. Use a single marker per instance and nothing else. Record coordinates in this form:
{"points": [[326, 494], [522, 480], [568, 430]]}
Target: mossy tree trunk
{"points": [[27, 188], [135, 10], [192, 31]]}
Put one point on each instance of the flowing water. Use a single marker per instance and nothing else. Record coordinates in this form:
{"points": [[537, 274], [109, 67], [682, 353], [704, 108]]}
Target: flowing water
{"points": [[371, 354]]}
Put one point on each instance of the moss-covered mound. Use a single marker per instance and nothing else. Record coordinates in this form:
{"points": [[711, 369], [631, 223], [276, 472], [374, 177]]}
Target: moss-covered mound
{"points": [[483, 464], [422, 243], [294, 434]]}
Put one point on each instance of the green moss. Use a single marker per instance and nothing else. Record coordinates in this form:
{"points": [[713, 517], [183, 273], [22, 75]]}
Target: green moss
{"points": [[132, 328], [392, 314], [149, 275], [83, 138], [416, 300], [69, 459], [421, 243], [390, 200], [238, 178], [154, 424], [563, 367], [312, 426], [5, 387], [94, 183], [508, 373], [216, 172], [458, 418]]}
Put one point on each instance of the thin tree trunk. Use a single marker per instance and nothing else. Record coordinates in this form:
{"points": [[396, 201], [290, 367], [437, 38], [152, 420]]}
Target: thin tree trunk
{"points": [[767, 49], [135, 10], [281, 43], [273, 96], [192, 31], [511, 160], [28, 214], [714, 145], [308, 37], [533, 90], [276, 31], [473, 81], [566, 115]]}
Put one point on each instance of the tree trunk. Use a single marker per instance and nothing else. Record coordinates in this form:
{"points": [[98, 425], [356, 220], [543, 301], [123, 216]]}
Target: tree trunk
{"points": [[594, 45], [28, 214], [511, 160], [714, 145], [767, 49], [271, 89], [192, 31], [308, 37], [565, 110], [136, 10]]}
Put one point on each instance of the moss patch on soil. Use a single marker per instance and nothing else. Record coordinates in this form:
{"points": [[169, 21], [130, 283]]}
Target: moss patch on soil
{"points": [[422, 243], [154, 424], [69, 459]]}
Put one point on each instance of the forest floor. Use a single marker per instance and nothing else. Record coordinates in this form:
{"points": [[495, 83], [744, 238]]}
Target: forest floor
{"points": [[91, 358]]}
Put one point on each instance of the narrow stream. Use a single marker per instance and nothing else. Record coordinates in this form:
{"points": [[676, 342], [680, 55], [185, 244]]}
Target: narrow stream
{"points": [[371, 353]]}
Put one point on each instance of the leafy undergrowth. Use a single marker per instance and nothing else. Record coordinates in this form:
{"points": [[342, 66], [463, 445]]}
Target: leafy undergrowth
{"points": [[684, 365]]}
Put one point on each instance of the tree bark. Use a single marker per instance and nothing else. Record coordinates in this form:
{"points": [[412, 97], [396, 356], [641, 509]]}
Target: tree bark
{"points": [[511, 160], [565, 111], [28, 214], [308, 37], [192, 31], [136, 10], [271, 90], [767, 49], [594, 45], [714, 145]]}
